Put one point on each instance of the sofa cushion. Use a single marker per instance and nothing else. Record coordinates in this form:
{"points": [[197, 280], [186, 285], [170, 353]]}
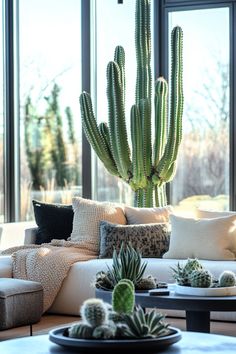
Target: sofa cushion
{"points": [[202, 238], [53, 220], [208, 214], [152, 240], [147, 215], [87, 216]]}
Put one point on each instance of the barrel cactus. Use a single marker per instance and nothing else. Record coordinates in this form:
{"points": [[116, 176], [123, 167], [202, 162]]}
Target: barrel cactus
{"points": [[94, 312], [227, 278], [123, 297], [152, 164], [201, 279], [105, 331], [80, 330], [146, 283]]}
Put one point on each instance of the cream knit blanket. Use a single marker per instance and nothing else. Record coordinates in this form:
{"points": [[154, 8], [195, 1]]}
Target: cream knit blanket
{"points": [[47, 264]]}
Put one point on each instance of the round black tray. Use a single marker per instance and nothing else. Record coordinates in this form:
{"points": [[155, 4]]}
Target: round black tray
{"points": [[94, 345]]}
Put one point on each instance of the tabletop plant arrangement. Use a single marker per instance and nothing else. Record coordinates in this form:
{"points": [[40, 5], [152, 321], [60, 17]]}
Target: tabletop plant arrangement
{"points": [[127, 264], [193, 274], [121, 320]]}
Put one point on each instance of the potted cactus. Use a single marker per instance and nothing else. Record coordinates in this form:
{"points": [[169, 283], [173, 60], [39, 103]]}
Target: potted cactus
{"points": [[145, 166], [194, 276], [119, 325], [127, 264]]}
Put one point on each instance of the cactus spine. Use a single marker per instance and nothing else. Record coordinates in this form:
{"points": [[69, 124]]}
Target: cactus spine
{"points": [[227, 278], [123, 297], [151, 165]]}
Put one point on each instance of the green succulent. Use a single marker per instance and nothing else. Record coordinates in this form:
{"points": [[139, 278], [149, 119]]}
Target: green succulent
{"points": [[182, 273], [126, 265], [146, 283], [94, 312], [123, 297], [144, 325], [80, 330], [201, 279], [227, 278]]}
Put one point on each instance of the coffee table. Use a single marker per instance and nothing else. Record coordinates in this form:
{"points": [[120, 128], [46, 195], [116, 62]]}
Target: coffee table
{"points": [[197, 308], [196, 343]]}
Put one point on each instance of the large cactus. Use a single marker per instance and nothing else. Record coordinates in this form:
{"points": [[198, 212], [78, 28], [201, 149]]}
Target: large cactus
{"points": [[152, 165]]}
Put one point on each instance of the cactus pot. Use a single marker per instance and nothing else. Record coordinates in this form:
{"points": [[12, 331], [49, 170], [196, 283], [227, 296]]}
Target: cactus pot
{"points": [[189, 290], [59, 336]]}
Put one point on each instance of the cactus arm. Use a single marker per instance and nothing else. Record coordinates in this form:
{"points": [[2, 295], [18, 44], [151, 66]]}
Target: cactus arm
{"points": [[138, 178], [119, 58], [145, 113], [104, 131], [176, 109], [161, 109], [117, 126], [143, 49], [93, 135]]}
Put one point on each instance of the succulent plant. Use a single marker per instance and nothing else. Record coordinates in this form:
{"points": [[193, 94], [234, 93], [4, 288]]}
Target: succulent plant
{"points": [[105, 331], [146, 283], [80, 330], [126, 265], [123, 297], [182, 273], [103, 281], [201, 279], [150, 166], [227, 278], [144, 325], [94, 312]]}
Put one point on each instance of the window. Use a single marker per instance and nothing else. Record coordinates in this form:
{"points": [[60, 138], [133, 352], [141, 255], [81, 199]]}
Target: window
{"points": [[1, 125], [50, 84], [202, 177]]}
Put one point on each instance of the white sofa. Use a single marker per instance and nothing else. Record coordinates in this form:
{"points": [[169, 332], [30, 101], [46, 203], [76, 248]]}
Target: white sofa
{"points": [[77, 286]]}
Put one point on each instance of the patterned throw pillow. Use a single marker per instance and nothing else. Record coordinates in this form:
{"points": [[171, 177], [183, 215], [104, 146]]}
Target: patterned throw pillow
{"points": [[152, 240], [87, 216]]}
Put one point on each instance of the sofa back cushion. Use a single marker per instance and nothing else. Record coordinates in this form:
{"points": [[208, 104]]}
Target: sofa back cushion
{"points": [[147, 215], [152, 240], [53, 221], [87, 217], [213, 239]]}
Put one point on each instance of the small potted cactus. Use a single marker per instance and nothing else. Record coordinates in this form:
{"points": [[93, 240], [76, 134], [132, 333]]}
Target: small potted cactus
{"points": [[127, 264], [193, 275], [120, 325]]}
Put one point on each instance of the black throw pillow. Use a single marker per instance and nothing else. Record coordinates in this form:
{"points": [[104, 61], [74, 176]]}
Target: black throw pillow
{"points": [[53, 221]]}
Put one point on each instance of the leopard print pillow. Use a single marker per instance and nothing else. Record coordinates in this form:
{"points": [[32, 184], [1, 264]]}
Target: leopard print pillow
{"points": [[152, 240]]}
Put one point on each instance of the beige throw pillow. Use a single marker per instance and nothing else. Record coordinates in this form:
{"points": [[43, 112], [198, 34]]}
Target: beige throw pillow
{"points": [[147, 215], [212, 239], [87, 217], [208, 214]]}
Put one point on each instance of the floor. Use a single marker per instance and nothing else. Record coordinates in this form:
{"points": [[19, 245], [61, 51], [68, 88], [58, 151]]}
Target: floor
{"points": [[49, 322]]}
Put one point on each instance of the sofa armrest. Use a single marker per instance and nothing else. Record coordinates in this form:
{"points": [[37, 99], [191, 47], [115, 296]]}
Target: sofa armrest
{"points": [[30, 235]]}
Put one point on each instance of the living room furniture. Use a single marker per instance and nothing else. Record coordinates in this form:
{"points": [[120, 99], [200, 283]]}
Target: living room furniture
{"points": [[197, 308], [77, 286], [21, 303], [191, 342]]}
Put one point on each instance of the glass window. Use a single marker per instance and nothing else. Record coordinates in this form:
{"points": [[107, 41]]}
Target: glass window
{"points": [[1, 124], [50, 84], [202, 178], [115, 25]]}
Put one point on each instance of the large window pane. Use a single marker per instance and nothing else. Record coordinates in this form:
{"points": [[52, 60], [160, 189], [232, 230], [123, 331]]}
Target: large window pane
{"points": [[50, 84], [1, 123], [202, 177], [115, 26]]}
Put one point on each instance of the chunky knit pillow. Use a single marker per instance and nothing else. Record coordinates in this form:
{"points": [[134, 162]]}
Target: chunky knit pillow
{"points": [[87, 216], [152, 240]]}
